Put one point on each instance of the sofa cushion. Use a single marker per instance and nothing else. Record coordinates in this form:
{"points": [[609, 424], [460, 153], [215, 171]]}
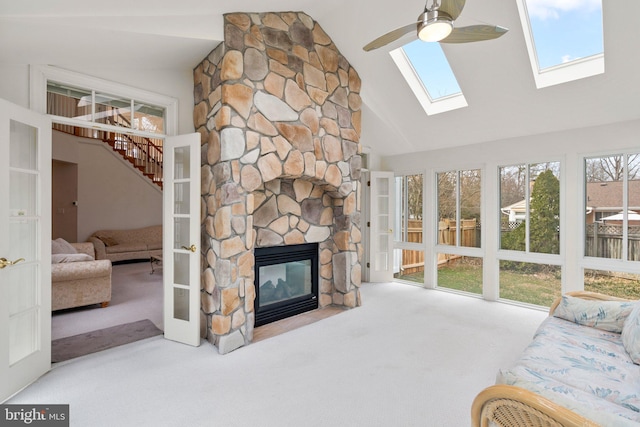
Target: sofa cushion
{"points": [[631, 334], [107, 240], [58, 258], [80, 270], [61, 246], [606, 315], [126, 247]]}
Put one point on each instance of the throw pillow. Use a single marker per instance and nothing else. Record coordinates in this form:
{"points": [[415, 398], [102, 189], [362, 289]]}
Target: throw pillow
{"points": [[631, 334], [60, 258], [606, 315], [107, 240], [61, 246]]}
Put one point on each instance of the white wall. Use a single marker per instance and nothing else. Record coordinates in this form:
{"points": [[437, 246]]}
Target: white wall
{"points": [[110, 193], [568, 147]]}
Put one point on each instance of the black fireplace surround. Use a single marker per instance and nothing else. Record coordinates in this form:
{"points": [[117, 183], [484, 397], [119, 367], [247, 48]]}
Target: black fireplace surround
{"points": [[286, 279]]}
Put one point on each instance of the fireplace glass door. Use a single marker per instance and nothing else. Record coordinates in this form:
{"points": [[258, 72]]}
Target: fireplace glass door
{"points": [[286, 281]]}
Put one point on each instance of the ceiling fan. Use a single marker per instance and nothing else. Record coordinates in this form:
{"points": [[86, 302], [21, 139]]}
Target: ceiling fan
{"points": [[435, 24]]}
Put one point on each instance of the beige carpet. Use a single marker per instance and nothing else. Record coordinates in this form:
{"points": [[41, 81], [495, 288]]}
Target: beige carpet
{"points": [[136, 295], [407, 357]]}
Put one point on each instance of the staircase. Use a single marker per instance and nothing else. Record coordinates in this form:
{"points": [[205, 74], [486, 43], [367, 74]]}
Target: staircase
{"points": [[144, 154]]}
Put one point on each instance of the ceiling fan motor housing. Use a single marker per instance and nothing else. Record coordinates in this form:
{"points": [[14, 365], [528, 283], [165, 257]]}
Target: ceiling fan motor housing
{"points": [[434, 25]]}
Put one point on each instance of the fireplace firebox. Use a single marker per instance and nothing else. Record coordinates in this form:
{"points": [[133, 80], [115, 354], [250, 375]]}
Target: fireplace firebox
{"points": [[286, 279]]}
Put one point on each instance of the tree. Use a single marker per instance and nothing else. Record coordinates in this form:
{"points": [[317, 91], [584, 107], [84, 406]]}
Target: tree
{"points": [[545, 214], [612, 168], [414, 196]]}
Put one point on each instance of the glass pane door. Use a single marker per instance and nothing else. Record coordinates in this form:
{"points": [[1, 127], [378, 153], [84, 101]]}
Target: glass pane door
{"points": [[182, 237]]}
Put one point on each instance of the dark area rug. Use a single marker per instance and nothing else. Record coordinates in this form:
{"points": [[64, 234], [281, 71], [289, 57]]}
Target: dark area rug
{"points": [[79, 345]]}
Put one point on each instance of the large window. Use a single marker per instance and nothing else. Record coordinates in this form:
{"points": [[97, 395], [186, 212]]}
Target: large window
{"points": [[530, 207], [612, 207], [612, 224], [408, 251], [530, 231], [459, 208], [459, 230]]}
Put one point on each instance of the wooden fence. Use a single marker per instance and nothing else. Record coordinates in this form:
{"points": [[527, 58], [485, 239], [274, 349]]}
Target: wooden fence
{"points": [[605, 241], [413, 261]]}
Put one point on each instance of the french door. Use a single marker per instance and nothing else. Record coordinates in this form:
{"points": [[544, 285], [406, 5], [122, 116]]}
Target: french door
{"points": [[181, 240], [382, 213], [25, 247]]}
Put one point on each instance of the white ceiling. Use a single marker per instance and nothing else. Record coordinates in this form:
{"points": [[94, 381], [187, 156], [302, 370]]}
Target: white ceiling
{"points": [[495, 76]]}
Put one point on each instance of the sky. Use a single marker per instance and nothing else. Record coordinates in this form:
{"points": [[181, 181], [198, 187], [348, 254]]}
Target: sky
{"points": [[432, 67], [564, 30]]}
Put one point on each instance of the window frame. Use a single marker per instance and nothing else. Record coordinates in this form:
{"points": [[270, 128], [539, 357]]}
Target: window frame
{"points": [[574, 70], [41, 75], [623, 265], [429, 105]]}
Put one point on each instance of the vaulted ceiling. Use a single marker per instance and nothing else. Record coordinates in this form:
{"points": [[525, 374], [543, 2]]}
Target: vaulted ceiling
{"points": [[495, 76]]}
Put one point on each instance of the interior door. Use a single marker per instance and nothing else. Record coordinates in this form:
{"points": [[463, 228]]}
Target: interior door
{"points": [[381, 264], [25, 247], [181, 240]]}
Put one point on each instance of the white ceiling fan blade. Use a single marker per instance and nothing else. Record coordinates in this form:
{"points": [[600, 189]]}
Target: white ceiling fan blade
{"points": [[452, 7], [390, 37], [475, 33]]}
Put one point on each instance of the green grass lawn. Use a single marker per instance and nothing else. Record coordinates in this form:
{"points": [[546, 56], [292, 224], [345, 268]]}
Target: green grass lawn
{"points": [[539, 288]]}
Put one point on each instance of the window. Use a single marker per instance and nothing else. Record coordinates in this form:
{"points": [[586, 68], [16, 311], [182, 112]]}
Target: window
{"points": [[408, 251], [530, 207], [426, 69], [81, 101], [612, 207], [564, 39], [409, 201], [530, 269], [459, 234], [614, 283], [91, 106], [530, 283], [459, 208]]}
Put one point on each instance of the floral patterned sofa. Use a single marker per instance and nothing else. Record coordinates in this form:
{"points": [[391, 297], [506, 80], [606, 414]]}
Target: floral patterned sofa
{"points": [[121, 245], [77, 278], [581, 369]]}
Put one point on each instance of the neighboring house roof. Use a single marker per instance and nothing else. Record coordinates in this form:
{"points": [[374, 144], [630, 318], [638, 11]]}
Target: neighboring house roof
{"points": [[601, 196], [607, 196]]}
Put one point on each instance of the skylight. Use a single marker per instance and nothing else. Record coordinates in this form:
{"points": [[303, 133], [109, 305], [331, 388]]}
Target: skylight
{"points": [[564, 39], [427, 71]]}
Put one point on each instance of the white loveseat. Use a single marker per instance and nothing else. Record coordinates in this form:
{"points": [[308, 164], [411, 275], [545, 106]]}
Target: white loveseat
{"points": [[581, 369]]}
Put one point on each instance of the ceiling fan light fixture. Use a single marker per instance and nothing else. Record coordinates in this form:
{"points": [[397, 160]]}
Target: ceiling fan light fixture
{"points": [[434, 26]]}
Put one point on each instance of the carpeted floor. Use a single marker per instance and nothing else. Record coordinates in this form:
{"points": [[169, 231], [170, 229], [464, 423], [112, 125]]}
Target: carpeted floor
{"points": [[91, 342], [136, 295], [407, 357]]}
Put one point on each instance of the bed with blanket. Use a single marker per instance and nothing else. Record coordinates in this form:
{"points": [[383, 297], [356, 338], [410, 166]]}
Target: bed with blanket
{"points": [[581, 369]]}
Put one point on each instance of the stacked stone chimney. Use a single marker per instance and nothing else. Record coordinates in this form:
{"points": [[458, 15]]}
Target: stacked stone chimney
{"points": [[278, 108]]}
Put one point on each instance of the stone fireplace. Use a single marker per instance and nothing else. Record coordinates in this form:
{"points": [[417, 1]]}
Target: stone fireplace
{"points": [[278, 108]]}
